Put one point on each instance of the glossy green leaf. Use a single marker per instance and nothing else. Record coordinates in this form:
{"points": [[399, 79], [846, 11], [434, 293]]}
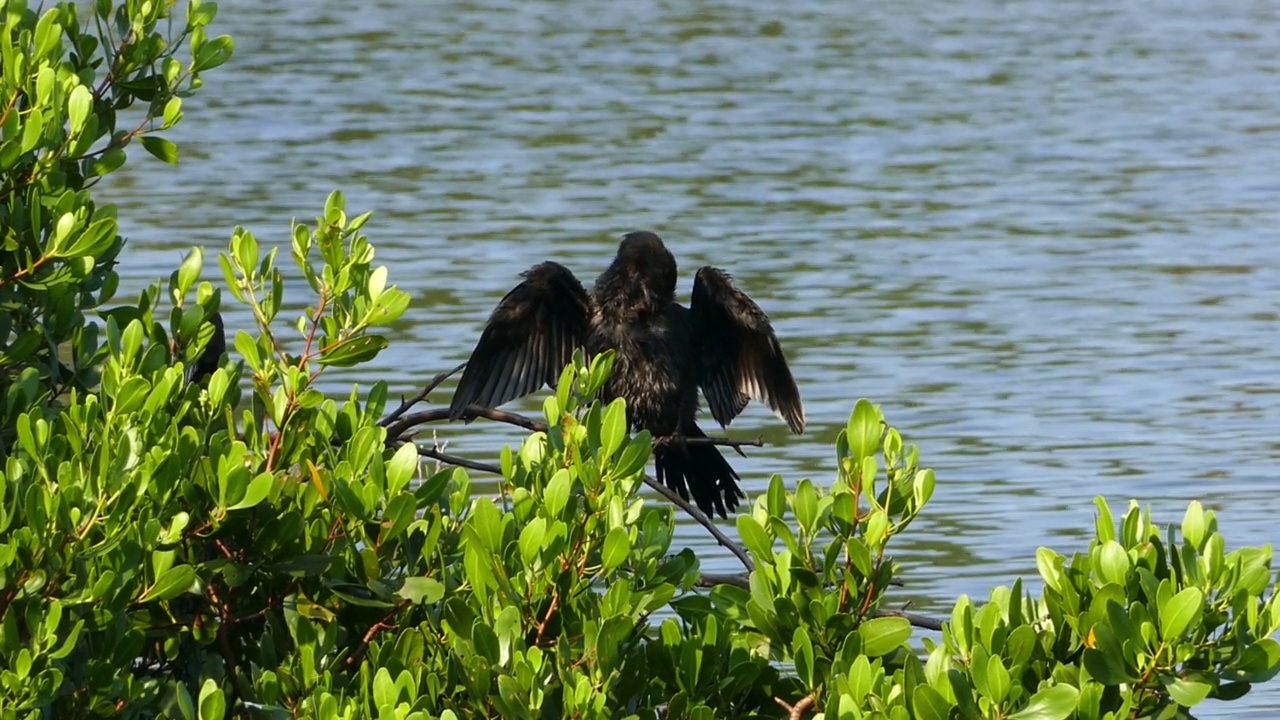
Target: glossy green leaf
{"points": [[257, 491], [883, 635], [617, 546], [162, 148], [175, 581], [213, 704], [864, 430], [802, 651], [556, 494], [422, 590], [754, 538], [1053, 703], [1186, 693], [1181, 613], [531, 540], [928, 704], [401, 468], [1193, 524], [79, 105], [352, 352], [1113, 563], [614, 429]]}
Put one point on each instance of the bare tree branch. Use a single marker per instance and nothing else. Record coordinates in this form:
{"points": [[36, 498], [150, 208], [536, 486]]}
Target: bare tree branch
{"points": [[702, 520], [398, 424], [916, 619], [406, 405], [400, 427], [448, 459]]}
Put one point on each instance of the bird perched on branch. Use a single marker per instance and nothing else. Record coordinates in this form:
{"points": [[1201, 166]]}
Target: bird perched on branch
{"points": [[722, 343]]}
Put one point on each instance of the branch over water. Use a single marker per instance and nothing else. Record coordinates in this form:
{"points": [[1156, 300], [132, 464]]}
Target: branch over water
{"points": [[401, 425]]}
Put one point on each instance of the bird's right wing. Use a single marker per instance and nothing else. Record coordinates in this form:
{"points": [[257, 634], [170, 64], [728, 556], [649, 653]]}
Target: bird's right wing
{"points": [[528, 340]]}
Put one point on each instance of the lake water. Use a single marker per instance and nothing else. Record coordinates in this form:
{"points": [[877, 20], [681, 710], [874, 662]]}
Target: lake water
{"points": [[1042, 234]]}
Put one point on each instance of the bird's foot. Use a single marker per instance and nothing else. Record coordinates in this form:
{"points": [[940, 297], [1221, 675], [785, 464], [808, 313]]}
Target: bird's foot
{"points": [[675, 439]]}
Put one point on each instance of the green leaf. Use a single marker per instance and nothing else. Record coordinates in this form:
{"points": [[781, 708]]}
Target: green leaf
{"points": [[997, 680], [777, 496], [400, 468], [1260, 662], [377, 282], [883, 635], [1113, 562], [32, 129], [556, 494], [421, 590], [189, 270], [928, 704], [214, 53], [1055, 703], [175, 581], [864, 430], [1104, 524], [213, 705], [1047, 562], [79, 105], [163, 148], [334, 207], [600, 372], [256, 492], [636, 456], [531, 538], [388, 308], [172, 111], [353, 352], [617, 546], [805, 506], [200, 14], [755, 539], [1180, 613], [1187, 693], [95, 239], [802, 651], [614, 429], [1193, 525]]}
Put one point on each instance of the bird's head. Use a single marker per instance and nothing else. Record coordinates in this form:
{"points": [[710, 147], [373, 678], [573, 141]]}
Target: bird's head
{"points": [[643, 257]]}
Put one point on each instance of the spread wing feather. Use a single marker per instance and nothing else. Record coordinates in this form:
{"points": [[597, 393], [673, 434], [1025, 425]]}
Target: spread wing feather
{"points": [[528, 340], [740, 357]]}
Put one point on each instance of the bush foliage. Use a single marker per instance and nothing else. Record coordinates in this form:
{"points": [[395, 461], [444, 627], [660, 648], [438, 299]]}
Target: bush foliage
{"points": [[243, 545]]}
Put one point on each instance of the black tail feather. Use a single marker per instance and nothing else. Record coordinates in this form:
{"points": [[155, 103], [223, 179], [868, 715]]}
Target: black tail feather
{"points": [[699, 469]]}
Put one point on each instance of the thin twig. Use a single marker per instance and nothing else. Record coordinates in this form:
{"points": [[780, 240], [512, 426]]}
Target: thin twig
{"points": [[702, 520], [546, 619], [385, 623], [743, 580], [435, 454], [916, 619], [397, 429], [666, 492], [709, 580], [795, 712], [398, 423], [406, 405]]}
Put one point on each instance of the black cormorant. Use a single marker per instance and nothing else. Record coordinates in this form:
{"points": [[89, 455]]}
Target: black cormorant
{"points": [[722, 343]]}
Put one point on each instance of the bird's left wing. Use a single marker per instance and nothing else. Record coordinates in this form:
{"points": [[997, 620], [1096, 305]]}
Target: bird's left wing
{"points": [[740, 357]]}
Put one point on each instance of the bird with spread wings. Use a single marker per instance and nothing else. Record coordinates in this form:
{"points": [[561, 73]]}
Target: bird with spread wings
{"points": [[722, 343]]}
